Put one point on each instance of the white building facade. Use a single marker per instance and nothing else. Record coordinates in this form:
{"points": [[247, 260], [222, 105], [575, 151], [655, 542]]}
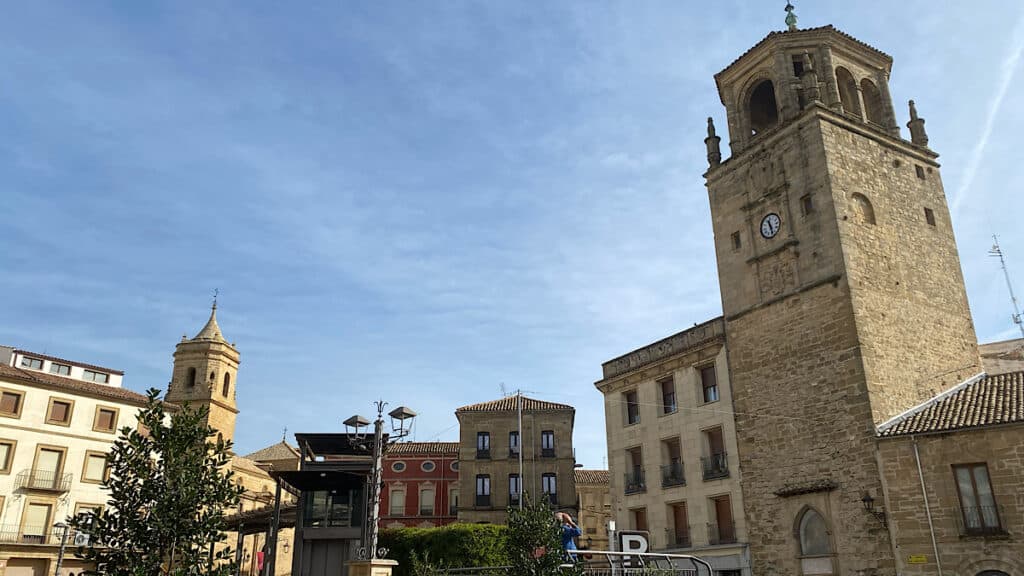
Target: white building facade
{"points": [[58, 420]]}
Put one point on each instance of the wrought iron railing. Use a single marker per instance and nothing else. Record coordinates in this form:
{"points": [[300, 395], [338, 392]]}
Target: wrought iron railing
{"points": [[604, 563], [635, 482], [513, 499], [483, 453], [678, 538], [483, 499], [721, 533], [427, 511], [513, 453], [547, 452], [551, 498], [672, 475], [715, 466], [981, 520], [46, 480], [14, 534]]}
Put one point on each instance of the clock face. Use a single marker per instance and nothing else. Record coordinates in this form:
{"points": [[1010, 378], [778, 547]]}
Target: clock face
{"points": [[770, 225]]}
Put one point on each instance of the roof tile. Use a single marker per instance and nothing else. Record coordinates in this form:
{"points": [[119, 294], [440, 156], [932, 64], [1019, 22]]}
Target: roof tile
{"points": [[423, 448], [509, 403], [591, 476], [72, 385], [987, 401]]}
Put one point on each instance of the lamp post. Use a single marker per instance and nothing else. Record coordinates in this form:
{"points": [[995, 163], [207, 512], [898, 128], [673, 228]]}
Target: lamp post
{"points": [[401, 424], [869, 504], [63, 543]]}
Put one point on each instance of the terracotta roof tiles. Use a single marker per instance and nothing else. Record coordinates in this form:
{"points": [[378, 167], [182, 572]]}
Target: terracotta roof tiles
{"points": [[73, 386], [424, 448], [280, 451], [509, 403], [591, 476], [983, 401]]}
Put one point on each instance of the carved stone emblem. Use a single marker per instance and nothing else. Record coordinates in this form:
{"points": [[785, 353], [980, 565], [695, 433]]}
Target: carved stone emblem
{"points": [[765, 173], [777, 276]]}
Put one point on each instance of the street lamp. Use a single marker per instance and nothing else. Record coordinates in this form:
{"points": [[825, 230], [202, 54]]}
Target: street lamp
{"points": [[63, 543], [357, 428], [869, 504]]}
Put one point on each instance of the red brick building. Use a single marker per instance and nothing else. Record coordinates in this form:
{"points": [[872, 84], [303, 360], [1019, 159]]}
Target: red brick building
{"points": [[421, 484]]}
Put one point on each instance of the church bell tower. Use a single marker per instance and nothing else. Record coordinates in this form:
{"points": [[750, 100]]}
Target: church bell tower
{"points": [[841, 288], [205, 370]]}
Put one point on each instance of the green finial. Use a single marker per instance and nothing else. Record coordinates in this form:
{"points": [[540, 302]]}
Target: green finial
{"points": [[790, 17]]}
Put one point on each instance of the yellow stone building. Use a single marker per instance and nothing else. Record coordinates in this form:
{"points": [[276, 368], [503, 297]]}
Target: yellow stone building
{"points": [[595, 508]]}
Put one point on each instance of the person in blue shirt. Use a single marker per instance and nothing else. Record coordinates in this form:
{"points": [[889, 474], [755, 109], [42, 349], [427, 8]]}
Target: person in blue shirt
{"points": [[569, 531]]}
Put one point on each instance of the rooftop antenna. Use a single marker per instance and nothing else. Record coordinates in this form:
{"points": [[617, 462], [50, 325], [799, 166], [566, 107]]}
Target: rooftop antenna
{"points": [[504, 393], [790, 17], [998, 252]]}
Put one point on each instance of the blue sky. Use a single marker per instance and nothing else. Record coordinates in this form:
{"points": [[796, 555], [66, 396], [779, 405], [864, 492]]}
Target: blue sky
{"points": [[422, 201]]}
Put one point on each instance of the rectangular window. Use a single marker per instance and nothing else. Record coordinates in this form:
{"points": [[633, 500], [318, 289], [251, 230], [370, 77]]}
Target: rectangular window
{"points": [[35, 523], [47, 469], [513, 443], [396, 505], [635, 481], [632, 408], [6, 456], [920, 172], [723, 531], [806, 204], [929, 216], [515, 488], [483, 490], [10, 403], [453, 502], [95, 469], [32, 363], [98, 377], [60, 369], [483, 444], [977, 502], [83, 508], [680, 525], [639, 518], [709, 384], [548, 487], [736, 242], [105, 419], [668, 395], [547, 444], [427, 502], [332, 508], [59, 412]]}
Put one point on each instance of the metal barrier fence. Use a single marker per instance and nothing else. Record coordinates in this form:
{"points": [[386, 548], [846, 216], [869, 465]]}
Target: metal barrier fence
{"points": [[605, 563]]}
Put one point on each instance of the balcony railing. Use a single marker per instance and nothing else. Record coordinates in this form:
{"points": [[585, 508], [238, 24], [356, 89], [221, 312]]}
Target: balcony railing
{"points": [[715, 466], [44, 480], [981, 521], [426, 511], [672, 475], [483, 499], [14, 534], [679, 538], [513, 499], [547, 452], [635, 482], [721, 534], [513, 453], [483, 453], [551, 497]]}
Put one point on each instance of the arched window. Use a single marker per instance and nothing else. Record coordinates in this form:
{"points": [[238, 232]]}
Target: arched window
{"points": [[191, 380], [814, 535], [848, 91], [865, 210], [213, 376], [763, 109], [227, 385], [872, 101]]}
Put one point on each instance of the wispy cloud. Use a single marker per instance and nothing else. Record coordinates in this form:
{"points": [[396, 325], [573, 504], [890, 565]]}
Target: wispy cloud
{"points": [[1007, 71]]}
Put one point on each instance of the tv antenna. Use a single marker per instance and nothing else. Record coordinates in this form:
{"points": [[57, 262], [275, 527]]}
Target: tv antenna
{"points": [[998, 252]]}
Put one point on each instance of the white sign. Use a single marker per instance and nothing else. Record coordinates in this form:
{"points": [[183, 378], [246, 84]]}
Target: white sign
{"points": [[633, 541]]}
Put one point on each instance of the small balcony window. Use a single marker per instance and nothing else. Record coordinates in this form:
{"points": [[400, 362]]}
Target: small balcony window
{"points": [[977, 501], [632, 407], [547, 444], [668, 395], [483, 445]]}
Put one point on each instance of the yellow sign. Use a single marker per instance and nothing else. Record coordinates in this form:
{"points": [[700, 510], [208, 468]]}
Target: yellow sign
{"points": [[917, 559]]}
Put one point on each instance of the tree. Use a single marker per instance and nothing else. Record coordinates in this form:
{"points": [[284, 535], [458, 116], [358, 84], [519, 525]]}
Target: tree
{"points": [[535, 541], [169, 487]]}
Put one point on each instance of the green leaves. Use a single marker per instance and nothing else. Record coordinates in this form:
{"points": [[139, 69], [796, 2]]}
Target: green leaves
{"points": [[168, 492], [535, 541]]}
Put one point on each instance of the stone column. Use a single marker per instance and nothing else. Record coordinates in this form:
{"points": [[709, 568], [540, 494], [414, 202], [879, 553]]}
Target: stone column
{"points": [[887, 109], [827, 73]]}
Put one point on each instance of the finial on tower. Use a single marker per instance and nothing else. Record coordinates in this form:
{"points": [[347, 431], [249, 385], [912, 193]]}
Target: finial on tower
{"points": [[790, 17], [216, 291], [284, 435], [712, 143], [918, 136]]}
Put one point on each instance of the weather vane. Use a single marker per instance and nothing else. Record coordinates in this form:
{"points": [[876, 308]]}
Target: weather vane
{"points": [[216, 291], [790, 17]]}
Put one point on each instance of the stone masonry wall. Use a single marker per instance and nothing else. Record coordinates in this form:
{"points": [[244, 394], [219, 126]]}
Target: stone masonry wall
{"points": [[1002, 449], [913, 320]]}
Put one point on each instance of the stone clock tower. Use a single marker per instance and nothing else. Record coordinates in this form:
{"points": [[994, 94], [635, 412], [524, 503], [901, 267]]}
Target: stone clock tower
{"points": [[204, 374], [841, 287]]}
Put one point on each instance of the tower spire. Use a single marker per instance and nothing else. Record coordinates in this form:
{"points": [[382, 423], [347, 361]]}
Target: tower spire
{"points": [[790, 17]]}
